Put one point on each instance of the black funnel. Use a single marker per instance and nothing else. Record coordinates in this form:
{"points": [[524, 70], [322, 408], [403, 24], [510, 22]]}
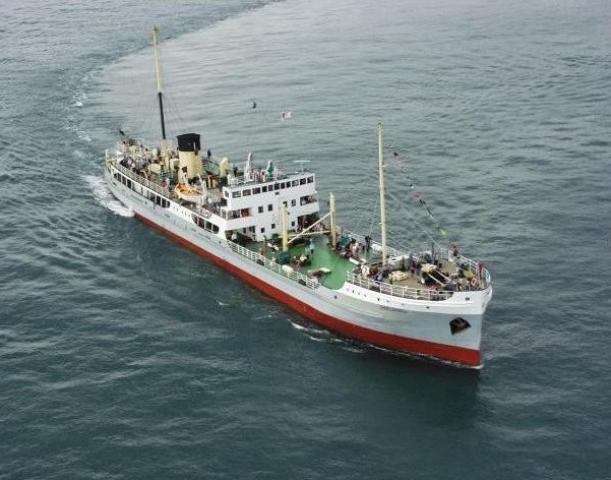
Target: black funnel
{"points": [[189, 142]]}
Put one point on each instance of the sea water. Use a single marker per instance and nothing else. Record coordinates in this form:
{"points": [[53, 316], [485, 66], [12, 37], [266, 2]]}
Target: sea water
{"points": [[122, 355]]}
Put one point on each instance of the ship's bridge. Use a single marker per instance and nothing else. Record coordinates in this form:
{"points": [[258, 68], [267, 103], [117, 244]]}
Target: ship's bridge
{"points": [[252, 203]]}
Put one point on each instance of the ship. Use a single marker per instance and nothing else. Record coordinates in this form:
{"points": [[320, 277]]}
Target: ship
{"points": [[265, 226]]}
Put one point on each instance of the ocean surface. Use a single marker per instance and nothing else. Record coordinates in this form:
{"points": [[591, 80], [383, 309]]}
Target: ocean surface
{"points": [[124, 356]]}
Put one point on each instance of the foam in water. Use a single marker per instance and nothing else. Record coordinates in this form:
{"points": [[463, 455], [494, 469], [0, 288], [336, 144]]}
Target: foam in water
{"points": [[104, 197], [80, 97], [309, 329], [83, 136]]}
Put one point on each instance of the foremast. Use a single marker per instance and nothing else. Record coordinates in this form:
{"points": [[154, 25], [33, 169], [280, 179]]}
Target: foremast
{"points": [[382, 197], [158, 78]]}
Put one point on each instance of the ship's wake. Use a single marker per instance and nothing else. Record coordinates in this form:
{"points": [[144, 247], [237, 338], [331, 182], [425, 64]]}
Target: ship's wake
{"points": [[105, 198]]}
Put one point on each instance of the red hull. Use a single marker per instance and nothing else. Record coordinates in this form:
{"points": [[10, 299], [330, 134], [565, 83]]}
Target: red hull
{"points": [[460, 355]]}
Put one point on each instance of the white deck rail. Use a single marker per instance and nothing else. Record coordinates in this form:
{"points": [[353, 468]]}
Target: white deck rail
{"points": [[273, 266], [398, 291], [141, 180]]}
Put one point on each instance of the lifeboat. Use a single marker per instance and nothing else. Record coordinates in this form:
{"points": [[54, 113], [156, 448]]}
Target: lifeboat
{"points": [[188, 193]]}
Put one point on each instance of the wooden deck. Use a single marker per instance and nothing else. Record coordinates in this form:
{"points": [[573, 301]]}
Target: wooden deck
{"points": [[448, 271]]}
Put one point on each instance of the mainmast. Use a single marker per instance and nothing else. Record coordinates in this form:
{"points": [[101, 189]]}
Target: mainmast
{"points": [[158, 76], [382, 197]]}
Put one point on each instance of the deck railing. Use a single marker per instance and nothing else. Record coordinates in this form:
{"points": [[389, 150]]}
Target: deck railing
{"points": [[481, 272], [206, 212], [398, 291], [273, 266], [142, 180], [377, 246]]}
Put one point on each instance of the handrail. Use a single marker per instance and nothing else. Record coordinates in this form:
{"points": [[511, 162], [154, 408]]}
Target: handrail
{"points": [[273, 266], [483, 275], [399, 291], [393, 252], [142, 180], [257, 179], [205, 212]]}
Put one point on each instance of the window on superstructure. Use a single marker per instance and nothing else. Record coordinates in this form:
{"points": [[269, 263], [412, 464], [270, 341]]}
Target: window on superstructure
{"points": [[225, 193], [246, 193], [264, 188], [236, 194], [256, 190], [261, 209], [310, 179], [270, 207], [286, 204], [293, 223], [293, 203], [276, 186], [262, 229], [273, 226], [215, 228], [302, 181]]}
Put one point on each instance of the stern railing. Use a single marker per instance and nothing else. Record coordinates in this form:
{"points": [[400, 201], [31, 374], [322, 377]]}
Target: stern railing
{"points": [[142, 180]]}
